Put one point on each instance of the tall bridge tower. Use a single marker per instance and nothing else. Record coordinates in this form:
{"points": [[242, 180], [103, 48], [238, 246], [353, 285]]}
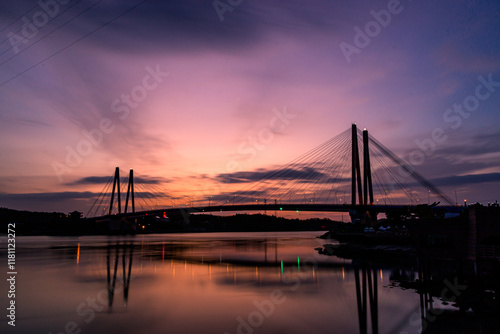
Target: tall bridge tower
{"points": [[362, 187]]}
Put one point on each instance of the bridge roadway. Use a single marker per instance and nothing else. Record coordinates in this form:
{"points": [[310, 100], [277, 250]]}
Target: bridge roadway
{"points": [[289, 207]]}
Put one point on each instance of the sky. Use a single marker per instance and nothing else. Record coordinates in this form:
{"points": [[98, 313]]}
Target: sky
{"points": [[185, 92]]}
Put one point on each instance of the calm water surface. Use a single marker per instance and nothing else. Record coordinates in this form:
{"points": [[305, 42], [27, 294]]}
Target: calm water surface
{"points": [[199, 283]]}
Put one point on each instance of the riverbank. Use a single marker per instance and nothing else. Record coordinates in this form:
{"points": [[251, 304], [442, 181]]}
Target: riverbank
{"points": [[59, 224]]}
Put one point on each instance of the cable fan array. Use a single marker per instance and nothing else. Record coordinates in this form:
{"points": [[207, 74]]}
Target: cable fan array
{"points": [[323, 176], [148, 195]]}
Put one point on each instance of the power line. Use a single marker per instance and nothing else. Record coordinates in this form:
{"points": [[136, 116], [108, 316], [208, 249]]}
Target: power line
{"points": [[73, 43], [13, 46], [20, 17]]}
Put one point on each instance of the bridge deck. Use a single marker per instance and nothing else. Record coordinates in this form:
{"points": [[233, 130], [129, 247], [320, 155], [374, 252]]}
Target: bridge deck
{"points": [[290, 207]]}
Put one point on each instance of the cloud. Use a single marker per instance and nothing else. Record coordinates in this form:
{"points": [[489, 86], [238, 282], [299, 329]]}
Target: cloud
{"points": [[464, 153], [481, 143], [91, 180], [105, 179], [455, 58], [25, 122], [190, 25], [263, 55], [296, 174], [49, 196], [73, 197], [467, 179]]}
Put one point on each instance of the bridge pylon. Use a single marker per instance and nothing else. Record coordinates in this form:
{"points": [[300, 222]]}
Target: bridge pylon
{"points": [[368, 188], [116, 185], [363, 188], [130, 192], [356, 169]]}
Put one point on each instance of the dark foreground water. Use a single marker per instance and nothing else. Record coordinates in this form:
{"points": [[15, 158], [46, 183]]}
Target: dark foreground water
{"points": [[202, 283]]}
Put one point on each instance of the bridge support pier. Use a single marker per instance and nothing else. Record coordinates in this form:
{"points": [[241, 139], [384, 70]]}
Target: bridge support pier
{"points": [[363, 215]]}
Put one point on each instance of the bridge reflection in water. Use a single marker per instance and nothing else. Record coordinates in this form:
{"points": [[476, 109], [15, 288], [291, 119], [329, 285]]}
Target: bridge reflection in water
{"points": [[126, 251], [266, 264], [366, 283]]}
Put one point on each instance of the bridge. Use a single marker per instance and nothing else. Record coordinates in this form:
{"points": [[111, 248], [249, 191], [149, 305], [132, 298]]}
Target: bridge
{"points": [[328, 178]]}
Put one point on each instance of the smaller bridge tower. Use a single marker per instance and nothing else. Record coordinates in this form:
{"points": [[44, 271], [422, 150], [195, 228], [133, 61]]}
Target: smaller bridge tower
{"points": [[130, 192]]}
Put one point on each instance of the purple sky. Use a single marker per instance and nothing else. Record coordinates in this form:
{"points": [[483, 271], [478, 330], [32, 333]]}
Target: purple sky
{"points": [[173, 91]]}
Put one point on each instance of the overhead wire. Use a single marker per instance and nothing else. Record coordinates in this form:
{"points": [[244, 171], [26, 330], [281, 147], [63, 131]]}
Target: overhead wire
{"points": [[72, 43], [18, 18], [43, 37]]}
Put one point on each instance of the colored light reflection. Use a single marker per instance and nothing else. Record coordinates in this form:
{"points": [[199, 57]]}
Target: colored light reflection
{"points": [[78, 255]]}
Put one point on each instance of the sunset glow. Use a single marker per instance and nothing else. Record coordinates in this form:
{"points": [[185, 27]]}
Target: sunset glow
{"points": [[184, 98]]}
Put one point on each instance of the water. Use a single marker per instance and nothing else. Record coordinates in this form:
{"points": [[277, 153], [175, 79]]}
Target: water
{"points": [[198, 283]]}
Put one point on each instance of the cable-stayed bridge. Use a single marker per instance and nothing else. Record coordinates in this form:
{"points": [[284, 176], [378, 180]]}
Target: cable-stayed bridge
{"points": [[351, 172]]}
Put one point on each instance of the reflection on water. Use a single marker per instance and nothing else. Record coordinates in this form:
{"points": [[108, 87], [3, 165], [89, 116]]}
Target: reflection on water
{"points": [[366, 277], [122, 250], [453, 299], [207, 283]]}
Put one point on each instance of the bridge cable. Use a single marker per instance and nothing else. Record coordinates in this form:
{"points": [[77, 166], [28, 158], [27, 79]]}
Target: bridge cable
{"points": [[101, 194], [411, 171]]}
